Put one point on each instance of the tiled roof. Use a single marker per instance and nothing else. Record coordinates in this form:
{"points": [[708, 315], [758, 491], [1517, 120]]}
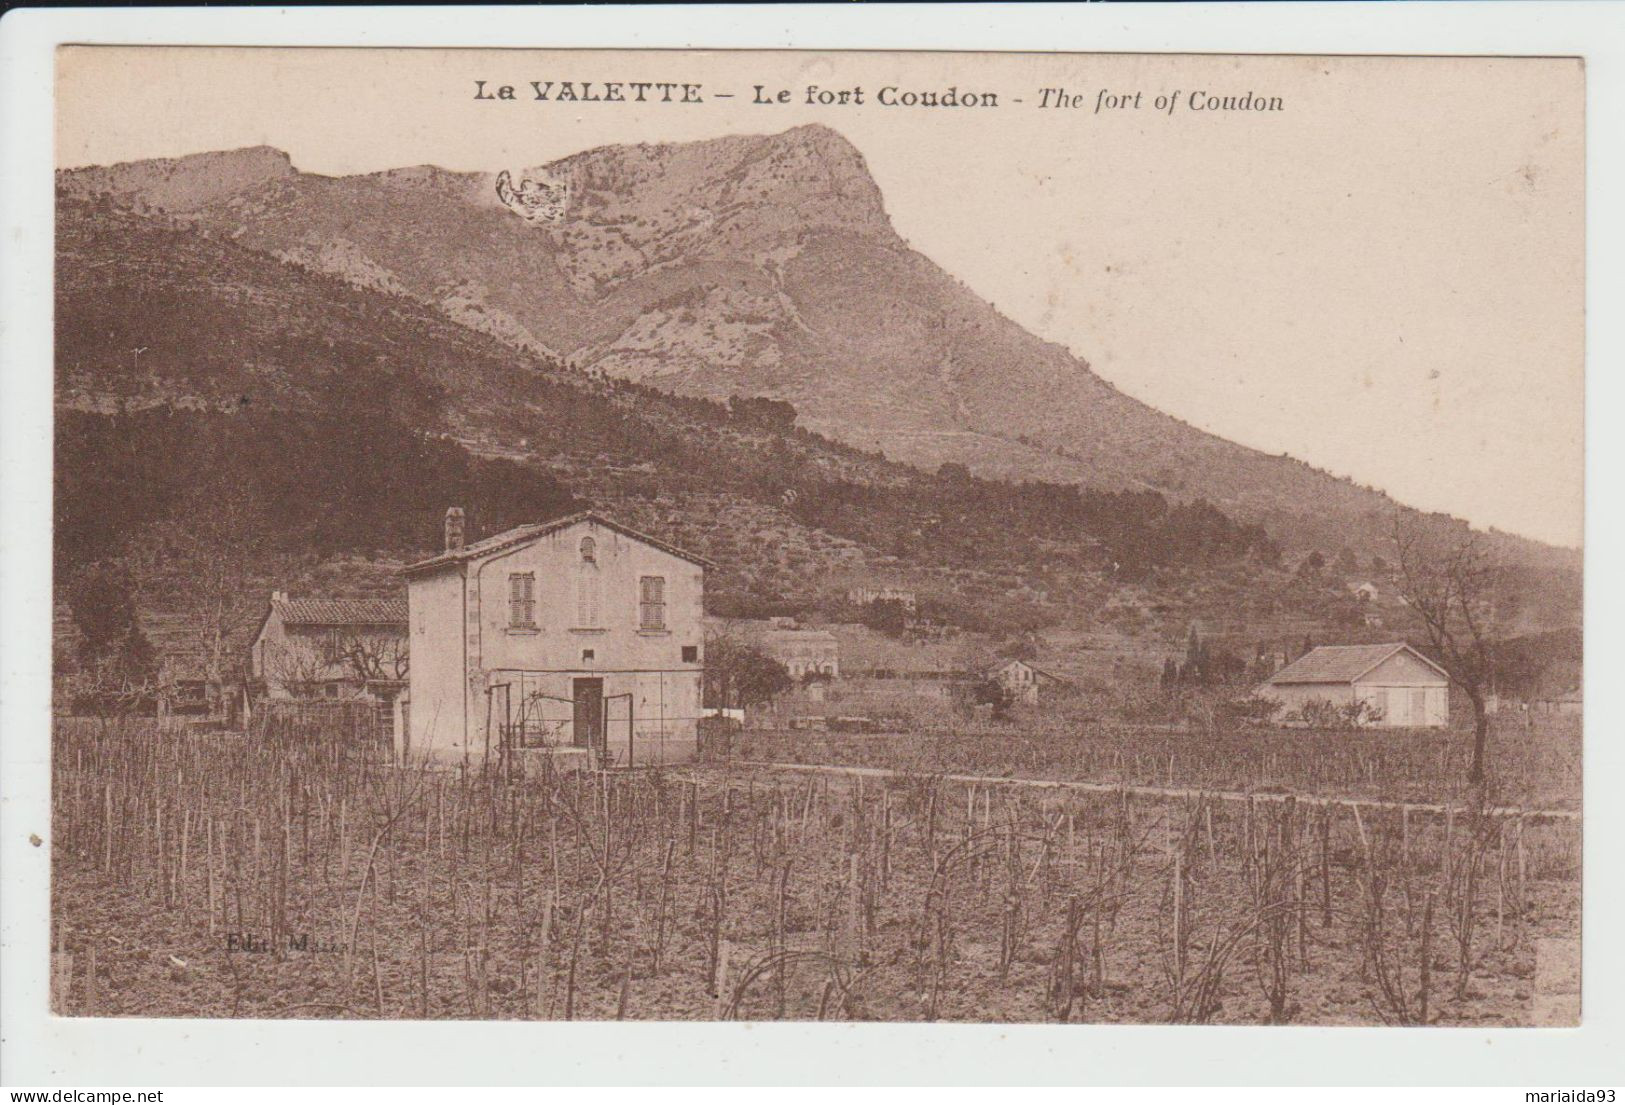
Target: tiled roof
{"points": [[520, 534], [1340, 663], [391, 612]]}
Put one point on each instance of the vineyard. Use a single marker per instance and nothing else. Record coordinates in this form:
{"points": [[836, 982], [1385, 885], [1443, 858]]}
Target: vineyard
{"points": [[1534, 762], [213, 876]]}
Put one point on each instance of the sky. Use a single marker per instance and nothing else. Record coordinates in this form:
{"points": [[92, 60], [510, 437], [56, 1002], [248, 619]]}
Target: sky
{"points": [[1384, 278]]}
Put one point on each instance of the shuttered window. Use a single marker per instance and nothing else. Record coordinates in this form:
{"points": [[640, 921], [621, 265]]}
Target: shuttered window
{"points": [[652, 602], [522, 600], [587, 597]]}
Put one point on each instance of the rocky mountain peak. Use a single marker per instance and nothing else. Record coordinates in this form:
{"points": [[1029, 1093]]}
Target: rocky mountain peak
{"points": [[182, 184], [805, 178]]}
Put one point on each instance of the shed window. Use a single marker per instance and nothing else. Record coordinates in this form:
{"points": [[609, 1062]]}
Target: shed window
{"points": [[652, 602], [522, 600]]}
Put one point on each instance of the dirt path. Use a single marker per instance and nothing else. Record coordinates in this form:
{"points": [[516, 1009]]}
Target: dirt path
{"points": [[1142, 791]]}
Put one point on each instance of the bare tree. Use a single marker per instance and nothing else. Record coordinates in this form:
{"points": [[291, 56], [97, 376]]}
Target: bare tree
{"points": [[299, 671], [1455, 589], [204, 551], [375, 657]]}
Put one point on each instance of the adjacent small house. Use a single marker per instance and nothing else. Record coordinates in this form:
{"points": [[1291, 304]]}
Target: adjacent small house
{"points": [[577, 637], [330, 648], [1401, 687]]}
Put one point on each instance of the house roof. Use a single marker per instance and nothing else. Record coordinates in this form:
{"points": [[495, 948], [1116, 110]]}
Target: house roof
{"points": [[820, 636], [390, 612], [1034, 668], [1343, 663], [522, 534]]}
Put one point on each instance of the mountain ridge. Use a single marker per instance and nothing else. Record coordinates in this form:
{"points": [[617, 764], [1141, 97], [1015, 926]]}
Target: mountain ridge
{"points": [[757, 265], [325, 427]]}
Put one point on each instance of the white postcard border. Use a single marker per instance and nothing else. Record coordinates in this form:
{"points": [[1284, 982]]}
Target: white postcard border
{"points": [[42, 1050]]}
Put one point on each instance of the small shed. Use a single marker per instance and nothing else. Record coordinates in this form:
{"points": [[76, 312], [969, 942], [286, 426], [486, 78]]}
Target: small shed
{"points": [[1402, 687]]}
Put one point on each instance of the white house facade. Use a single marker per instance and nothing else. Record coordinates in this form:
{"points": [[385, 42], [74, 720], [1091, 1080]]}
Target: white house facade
{"points": [[574, 634], [1401, 688]]}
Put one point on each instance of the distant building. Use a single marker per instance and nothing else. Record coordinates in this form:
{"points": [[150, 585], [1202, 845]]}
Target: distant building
{"points": [[1365, 592], [185, 688], [1021, 681], [1403, 688], [576, 634], [1569, 702], [936, 685], [866, 596], [804, 652]]}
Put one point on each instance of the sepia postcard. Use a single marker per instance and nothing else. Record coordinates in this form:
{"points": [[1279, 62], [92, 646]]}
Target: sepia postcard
{"points": [[789, 535]]}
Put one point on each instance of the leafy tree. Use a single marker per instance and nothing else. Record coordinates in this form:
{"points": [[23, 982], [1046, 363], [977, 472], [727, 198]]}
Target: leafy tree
{"points": [[117, 665], [738, 674], [990, 692], [102, 601], [888, 616], [776, 413]]}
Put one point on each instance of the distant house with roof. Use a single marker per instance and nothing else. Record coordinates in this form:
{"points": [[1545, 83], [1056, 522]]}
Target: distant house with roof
{"points": [[330, 648], [866, 596], [1021, 681], [1570, 701], [804, 652], [578, 638], [1364, 591], [1402, 687]]}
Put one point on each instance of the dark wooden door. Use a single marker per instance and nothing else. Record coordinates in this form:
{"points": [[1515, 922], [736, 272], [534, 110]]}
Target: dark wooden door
{"points": [[588, 715]]}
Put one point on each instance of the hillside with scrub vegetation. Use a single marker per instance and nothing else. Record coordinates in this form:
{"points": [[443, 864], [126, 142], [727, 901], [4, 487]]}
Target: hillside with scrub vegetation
{"points": [[216, 404]]}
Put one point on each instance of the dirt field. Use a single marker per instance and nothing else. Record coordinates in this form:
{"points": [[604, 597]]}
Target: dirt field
{"points": [[205, 877]]}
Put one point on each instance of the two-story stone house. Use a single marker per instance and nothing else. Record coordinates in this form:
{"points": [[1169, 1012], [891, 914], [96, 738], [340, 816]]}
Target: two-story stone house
{"points": [[573, 634]]}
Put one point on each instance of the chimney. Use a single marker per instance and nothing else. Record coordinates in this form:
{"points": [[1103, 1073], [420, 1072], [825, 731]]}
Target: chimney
{"points": [[454, 529], [279, 596]]}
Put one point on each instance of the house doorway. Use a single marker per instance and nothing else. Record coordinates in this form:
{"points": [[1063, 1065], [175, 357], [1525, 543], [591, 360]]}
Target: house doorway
{"points": [[588, 713]]}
